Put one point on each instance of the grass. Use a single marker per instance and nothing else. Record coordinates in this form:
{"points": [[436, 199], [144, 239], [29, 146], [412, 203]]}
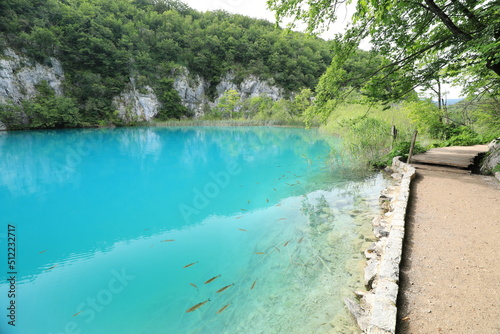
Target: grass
{"points": [[233, 122]]}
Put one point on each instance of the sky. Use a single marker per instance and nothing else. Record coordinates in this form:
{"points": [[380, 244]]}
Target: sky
{"points": [[258, 9], [252, 8]]}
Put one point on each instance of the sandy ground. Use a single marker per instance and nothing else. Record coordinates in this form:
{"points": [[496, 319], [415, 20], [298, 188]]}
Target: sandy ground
{"points": [[450, 273]]}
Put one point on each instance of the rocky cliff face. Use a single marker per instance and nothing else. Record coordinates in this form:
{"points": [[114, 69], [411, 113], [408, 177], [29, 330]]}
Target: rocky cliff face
{"points": [[193, 90], [137, 104], [19, 77]]}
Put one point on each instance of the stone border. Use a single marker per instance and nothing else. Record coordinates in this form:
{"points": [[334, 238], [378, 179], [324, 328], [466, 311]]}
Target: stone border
{"points": [[376, 310]]}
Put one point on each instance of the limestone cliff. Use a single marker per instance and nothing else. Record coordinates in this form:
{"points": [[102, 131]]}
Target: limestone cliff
{"points": [[19, 77], [137, 104], [193, 90]]}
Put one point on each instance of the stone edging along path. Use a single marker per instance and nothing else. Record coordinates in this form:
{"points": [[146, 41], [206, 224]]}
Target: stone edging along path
{"points": [[376, 310]]}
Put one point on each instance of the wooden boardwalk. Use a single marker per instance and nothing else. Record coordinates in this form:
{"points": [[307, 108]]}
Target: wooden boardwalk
{"points": [[455, 156]]}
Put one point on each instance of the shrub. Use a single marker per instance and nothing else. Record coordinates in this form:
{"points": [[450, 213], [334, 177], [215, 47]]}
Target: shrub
{"points": [[402, 149], [462, 136]]}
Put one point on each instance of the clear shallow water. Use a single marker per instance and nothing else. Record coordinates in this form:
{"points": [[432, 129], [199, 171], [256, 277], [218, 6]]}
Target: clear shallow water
{"points": [[119, 229]]}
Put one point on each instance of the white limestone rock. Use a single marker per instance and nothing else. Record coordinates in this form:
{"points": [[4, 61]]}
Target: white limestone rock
{"points": [[137, 105], [193, 89], [19, 77], [493, 158]]}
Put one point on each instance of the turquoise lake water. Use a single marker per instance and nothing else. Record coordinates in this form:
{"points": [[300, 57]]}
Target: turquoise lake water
{"points": [[119, 230]]}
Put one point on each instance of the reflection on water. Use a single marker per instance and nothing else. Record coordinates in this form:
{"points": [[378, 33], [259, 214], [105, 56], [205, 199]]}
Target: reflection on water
{"points": [[121, 229]]}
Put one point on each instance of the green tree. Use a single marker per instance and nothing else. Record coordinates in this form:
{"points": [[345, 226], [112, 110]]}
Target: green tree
{"points": [[255, 105], [46, 111], [102, 44], [419, 38], [171, 102], [228, 104]]}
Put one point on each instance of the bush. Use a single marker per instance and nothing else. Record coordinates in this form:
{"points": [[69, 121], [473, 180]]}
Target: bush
{"points": [[12, 117], [402, 149], [46, 111], [171, 106], [462, 136]]}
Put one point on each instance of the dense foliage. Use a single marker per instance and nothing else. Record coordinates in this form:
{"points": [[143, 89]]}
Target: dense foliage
{"points": [[415, 43], [424, 40], [103, 43]]}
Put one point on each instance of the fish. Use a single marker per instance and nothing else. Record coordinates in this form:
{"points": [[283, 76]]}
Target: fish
{"points": [[267, 200], [223, 308], [191, 264], [193, 285], [287, 171], [74, 315], [212, 279], [277, 249], [43, 251], [51, 267], [197, 306], [239, 217], [146, 229], [253, 285], [248, 201], [224, 288], [168, 240], [300, 240], [243, 210], [274, 189], [286, 243], [241, 229], [282, 219], [279, 204], [260, 253]]}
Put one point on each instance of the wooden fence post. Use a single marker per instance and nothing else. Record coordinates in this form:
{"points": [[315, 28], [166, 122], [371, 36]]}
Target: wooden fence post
{"points": [[394, 134], [413, 142]]}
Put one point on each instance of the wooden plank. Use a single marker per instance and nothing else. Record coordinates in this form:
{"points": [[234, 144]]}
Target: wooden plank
{"points": [[455, 156]]}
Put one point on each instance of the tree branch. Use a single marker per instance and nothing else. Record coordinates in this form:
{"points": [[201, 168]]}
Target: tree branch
{"points": [[447, 21], [411, 57], [469, 14]]}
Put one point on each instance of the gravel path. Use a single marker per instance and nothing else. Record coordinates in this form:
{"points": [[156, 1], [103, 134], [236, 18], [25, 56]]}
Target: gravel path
{"points": [[450, 273]]}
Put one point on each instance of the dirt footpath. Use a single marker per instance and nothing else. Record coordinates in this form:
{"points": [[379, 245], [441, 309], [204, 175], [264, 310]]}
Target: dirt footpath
{"points": [[450, 273]]}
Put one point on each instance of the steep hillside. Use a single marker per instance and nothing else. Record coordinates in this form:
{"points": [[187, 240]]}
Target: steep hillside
{"points": [[113, 62]]}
